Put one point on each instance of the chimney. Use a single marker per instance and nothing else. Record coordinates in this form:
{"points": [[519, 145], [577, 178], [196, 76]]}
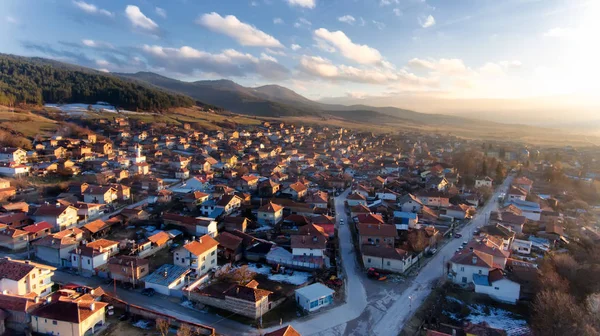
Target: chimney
{"points": [[36, 299], [57, 205], [474, 260], [471, 249], [165, 273]]}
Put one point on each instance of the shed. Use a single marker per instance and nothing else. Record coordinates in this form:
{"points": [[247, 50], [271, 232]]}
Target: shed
{"points": [[314, 297], [166, 278]]}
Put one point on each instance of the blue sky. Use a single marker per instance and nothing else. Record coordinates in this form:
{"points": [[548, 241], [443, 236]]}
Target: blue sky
{"points": [[324, 48]]}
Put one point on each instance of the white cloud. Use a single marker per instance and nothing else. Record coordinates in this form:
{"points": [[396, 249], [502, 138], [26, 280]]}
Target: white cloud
{"points": [[511, 64], [448, 66], [243, 33], [349, 19], [303, 3], [104, 70], [427, 22], [491, 69], [102, 63], [266, 57], [11, 20], [362, 54], [397, 11], [361, 22], [418, 63], [388, 2], [278, 21], [560, 32], [302, 22], [92, 9], [230, 62], [96, 44], [325, 69], [138, 19], [161, 12], [379, 25], [295, 47], [275, 52]]}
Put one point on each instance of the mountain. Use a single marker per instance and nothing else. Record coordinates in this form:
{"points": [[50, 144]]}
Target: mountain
{"points": [[37, 81]]}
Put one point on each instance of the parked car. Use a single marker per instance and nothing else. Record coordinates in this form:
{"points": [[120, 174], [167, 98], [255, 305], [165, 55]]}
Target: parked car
{"points": [[433, 251], [127, 285], [457, 235], [148, 291]]}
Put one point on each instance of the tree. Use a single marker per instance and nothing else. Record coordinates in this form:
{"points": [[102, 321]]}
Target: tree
{"points": [[184, 330], [557, 313], [484, 168], [163, 326], [500, 173]]}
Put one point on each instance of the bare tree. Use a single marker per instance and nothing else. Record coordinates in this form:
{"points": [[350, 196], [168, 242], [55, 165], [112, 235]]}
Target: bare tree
{"points": [[163, 326], [557, 313], [184, 330]]}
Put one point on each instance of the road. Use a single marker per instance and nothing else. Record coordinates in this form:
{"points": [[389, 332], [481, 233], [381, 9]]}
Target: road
{"points": [[405, 306]]}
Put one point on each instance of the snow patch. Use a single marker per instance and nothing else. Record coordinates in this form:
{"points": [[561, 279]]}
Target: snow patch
{"points": [[497, 318], [142, 324], [298, 278]]}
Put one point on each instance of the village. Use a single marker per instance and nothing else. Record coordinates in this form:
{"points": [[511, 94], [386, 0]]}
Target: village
{"points": [[124, 227]]}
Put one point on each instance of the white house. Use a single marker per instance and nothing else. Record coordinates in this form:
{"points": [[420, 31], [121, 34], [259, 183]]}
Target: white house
{"points": [[206, 226], [516, 193], [199, 255], [270, 214], [23, 277], [86, 258], [11, 154], [196, 183], [405, 220], [410, 203], [486, 181], [13, 169], [468, 263], [497, 286], [167, 278], [531, 210], [522, 246], [314, 297], [356, 199], [386, 258], [60, 216]]}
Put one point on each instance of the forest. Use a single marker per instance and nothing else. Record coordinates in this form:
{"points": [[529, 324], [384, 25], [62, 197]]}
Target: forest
{"points": [[27, 81]]}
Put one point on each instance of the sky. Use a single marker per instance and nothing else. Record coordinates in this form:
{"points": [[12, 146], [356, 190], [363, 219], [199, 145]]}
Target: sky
{"points": [[355, 49]]}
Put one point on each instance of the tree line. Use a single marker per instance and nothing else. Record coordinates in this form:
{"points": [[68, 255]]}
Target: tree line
{"points": [[24, 81]]}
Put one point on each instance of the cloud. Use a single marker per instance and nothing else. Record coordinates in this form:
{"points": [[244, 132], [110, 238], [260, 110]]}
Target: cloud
{"points": [[302, 22], [96, 44], [397, 11], [102, 63], [379, 25], [11, 20], [388, 2], [349, 19], [295, 47], [275, 52], [92, 9], [511, 64], [303, 3], [243, 33], [139, 20], [427, 22], [161, 12], [325, 69], [448, 66], [230, 62], [278, 21], [362, 54], [266, 57], [561, 32]]}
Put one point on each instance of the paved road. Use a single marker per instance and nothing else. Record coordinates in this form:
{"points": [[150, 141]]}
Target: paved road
{"points": [[399, 313]]}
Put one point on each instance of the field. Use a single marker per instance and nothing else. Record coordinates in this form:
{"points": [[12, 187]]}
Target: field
{"points": [[25, 122]]}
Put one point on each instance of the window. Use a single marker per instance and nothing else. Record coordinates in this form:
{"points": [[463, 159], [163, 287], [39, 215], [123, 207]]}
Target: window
{"points": [[388, 263], [143, 269], [88, 261], [368, 259], [204, 258], [212, 261], [203, 267], [212, 253], [497, 288], [480, 272], [34, 286], [54, 322], [33, 276], [464, 279], [462, 269], [177, 258]]}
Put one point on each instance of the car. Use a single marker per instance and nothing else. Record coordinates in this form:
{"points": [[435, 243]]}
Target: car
{"points": [[341, 220], [465, 243], [433, 251], [457, 235], [148, 291], [127, 285]]}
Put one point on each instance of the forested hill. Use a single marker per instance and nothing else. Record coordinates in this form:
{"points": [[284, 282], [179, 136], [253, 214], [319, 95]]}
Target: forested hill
{"points": [[32, 81]]}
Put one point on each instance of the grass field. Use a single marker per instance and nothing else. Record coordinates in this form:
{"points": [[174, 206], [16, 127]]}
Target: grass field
{"points": [[25, 122]]}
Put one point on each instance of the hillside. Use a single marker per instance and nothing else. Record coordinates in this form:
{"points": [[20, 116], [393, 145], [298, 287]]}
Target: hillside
{"points": [[37, 81]]}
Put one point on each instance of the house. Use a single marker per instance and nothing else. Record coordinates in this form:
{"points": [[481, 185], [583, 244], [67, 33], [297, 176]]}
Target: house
{"points": [[521, 246], [167, 279], [248, 183], [297, 190], [11, 154], [55, 249], [319, 199], [60, 216], [356, 199], [96, 229], [434, 198], [13, 239], [285, 331], [386, 258], [199, 255], [128, 269], [484, 182], [499, 256], [531, 210], [377, 234], [110, 246], [500, 235], [270, 214], [268, 188], [17, 311], [464, 265], [516, 193], [460, 211], [88, 210], [314, 297], [100, 195], [38, 230], [23, 277], [230, 246], [497, 286], [523, 183], [510, 219], [69, 317], [15, 219], [14, 169], [195, 226], [308, 250], [245, 300], [197, 183], [86, 259], [405, 220], [410, 203], [231, 223]]}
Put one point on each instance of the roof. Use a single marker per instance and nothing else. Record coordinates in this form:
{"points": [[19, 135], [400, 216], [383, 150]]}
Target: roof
{"points": [[270, 207], [128, 261], [523, 181], [69, 311], [384, 252], [315, 291], [247, 293], [285, 331], [17, 269], [98, 190], [102, 244], [498, 230], [369, 219], [317, 242], [160, 238], [202, 245], [517, 191], [166, 275], [37, 227], [95, 226], [229, 241], [356, 197], [17, 303], [298, 187], [52, 210], [475, 258], [487, 247], [383, 230]]}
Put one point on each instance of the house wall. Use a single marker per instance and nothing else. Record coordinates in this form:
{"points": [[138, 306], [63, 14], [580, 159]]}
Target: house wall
{"points": [[313, 304], [502, 290], [352, 203], [210, 230], [376, 240], [483, 183], [411, 206], [456, 214], [242, 307], [49, 255], [392, 265], [201, 264], [46, 326], [464, 273], [307, 252], [269, 218], [521, 246], [14, 243], [166, 290]]}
